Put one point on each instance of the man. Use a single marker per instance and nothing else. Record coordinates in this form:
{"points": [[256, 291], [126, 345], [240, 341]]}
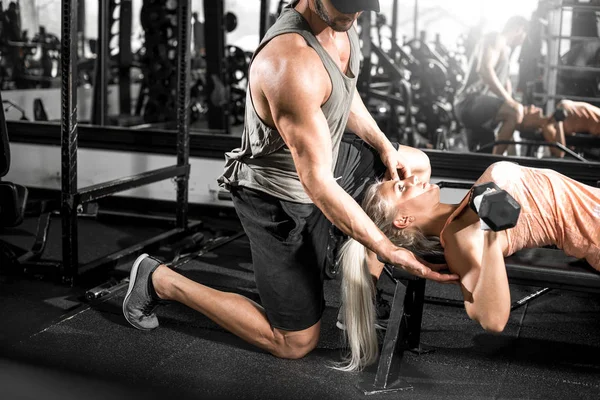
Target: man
{"points": [[286, 182], [571, 117], [486, 99]]}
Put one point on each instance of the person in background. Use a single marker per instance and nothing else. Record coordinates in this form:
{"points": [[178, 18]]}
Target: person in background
{"points": [[486, 99], [571, 117]]}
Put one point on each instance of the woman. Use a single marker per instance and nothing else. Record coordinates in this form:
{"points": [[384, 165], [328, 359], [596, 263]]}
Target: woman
{"points": [[580, 118], [555, 210]]}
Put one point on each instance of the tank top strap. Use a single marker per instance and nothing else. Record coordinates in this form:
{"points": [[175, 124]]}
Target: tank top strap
{"points": [[456, 213]]}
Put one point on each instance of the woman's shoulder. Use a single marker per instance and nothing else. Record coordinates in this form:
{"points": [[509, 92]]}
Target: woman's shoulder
{"points": [[501, 173], [460, 229]]}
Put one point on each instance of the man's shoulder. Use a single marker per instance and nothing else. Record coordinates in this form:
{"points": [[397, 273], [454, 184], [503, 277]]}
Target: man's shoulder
{"points": [[494, 39], [288, 46], [287, 54]]}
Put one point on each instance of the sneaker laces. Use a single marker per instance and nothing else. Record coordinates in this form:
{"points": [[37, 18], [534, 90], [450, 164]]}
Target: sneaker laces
{"points": [[150, 306]]}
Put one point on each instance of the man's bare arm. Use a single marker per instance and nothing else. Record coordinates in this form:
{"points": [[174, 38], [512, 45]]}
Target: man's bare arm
{"points": [[509, 88], [491, 52], [295, 95]]}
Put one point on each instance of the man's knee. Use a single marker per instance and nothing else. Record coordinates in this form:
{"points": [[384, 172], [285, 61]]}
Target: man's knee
{"points": [[296, 344]]}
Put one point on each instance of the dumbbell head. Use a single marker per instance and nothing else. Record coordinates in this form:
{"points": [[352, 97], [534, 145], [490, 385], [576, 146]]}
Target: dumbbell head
{"points": [[498, 209], [480, 189], [560, 114]]}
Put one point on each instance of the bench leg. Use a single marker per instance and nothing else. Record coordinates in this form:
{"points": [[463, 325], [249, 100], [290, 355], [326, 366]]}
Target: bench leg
{"points": [[403, 330], [413, 310]]}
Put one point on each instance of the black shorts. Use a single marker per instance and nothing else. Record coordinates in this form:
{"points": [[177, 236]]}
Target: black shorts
{"points": [[479, 111], [289, 241], [478, 115]]}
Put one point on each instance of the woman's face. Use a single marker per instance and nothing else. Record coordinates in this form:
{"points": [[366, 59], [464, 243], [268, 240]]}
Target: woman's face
{"points": [[410, 194]]}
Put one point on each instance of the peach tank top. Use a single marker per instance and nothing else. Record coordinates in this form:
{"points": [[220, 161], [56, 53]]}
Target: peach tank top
{"points": [[555, 210]]}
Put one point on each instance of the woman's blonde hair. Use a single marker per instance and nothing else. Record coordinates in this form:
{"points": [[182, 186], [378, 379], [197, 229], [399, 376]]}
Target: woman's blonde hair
{"points": [[358, 291]]}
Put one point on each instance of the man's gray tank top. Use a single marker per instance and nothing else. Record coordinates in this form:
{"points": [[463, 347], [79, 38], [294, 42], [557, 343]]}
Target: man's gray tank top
{"points": [[264, 162], [473, 82]]}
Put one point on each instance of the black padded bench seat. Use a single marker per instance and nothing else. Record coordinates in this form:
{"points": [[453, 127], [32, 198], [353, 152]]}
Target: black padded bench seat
{"points": [[551, 268], [542, 267], [582, 140]]}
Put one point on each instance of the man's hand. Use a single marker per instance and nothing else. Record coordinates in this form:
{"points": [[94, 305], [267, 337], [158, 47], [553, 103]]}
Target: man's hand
{"points": [[406, 260], [518, 109], [397, 168]]}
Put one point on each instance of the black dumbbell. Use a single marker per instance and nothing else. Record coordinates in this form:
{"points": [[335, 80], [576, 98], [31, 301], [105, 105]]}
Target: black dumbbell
{"points": [[496, 208], [560, 114]]}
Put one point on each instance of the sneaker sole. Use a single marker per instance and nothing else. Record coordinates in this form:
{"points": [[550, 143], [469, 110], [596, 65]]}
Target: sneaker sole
{"points": [[132, 278]]}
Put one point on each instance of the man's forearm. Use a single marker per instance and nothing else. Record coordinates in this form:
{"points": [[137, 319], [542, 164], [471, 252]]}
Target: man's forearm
{"points": [[345, 213], [491, 79]]}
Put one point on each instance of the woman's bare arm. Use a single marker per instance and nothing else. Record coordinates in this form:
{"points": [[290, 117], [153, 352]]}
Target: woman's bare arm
{"points": [[476, 256]]}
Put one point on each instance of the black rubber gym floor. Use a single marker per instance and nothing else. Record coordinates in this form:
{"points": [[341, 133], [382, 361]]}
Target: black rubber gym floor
{"points": [[54, 345]]}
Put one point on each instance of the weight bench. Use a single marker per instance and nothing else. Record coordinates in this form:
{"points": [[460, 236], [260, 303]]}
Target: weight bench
{"points": [[540, 267], [587, 144], [13, 199], [12, 196]]}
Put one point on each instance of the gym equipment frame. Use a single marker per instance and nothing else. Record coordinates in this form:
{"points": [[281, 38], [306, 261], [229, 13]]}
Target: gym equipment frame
{"points": [[72, 197]]}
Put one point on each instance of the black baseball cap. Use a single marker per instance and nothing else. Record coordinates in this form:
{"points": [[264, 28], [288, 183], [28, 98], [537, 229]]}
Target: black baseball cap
{"points": [[354, 6]]}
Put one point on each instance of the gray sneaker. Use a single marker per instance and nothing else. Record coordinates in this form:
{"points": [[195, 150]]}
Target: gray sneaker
{"points": [[139, 304]]}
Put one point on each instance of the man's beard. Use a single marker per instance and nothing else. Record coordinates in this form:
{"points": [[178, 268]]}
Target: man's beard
{"points": [[336, 26]]}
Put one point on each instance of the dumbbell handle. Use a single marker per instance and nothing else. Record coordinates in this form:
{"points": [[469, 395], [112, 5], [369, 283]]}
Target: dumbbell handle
{"points": [[477, 203]]}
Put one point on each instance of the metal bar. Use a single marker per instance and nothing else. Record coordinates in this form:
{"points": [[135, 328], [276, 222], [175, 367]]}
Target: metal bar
{"points": [[395, 328], [390, 98], [416, 20], [565, 96], [380, 85], [569, 151], [102, 64], [388, 63], [440, 301], [582, 7], [574, 38], [183, 108], [70, 258], [265, 7], [112, 216], [571, 68], [533, 143], [40, 238], [521, 302], [551, 75], [395, 21], [104, 189], [218, 117], [560, 29], [212, 246], [125, 57], [136, 248], [364, 79]]}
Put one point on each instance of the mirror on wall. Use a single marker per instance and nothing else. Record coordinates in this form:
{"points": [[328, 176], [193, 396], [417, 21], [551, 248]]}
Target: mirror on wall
{"points": [[426, 78], [139, 76], [416, 59]]}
